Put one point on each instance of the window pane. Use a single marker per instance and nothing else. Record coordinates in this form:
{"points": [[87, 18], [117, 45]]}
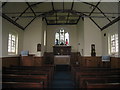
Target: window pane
{"points": [[13, 37], [12, 44], [67, 37], [57, 38], [10, 36], [114, 43], [62, 37]]}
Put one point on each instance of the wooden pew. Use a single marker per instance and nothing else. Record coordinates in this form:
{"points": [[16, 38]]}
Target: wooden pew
{"points": [[28, 73], [35, 68], [105, 79], [93, 86], [30, 70], [102, 73], [25, 78], [93, 71], [22, 85]]}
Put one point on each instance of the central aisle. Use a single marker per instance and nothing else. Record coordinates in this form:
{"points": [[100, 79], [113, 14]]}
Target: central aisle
{"points": [[63, 79]]}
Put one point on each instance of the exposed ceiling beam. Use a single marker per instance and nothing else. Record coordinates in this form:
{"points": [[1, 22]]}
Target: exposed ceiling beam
{"points": [[46, 20], [76, 16], [26, 10], [63, 24], [103, 14], [62, 10], [95, 23], [56, 17], [63, 5], [52, 6], [78, 19], [98, 9], [36, 4], [13, 22], [31, 8], [29, 22], [21, 14], [112, 22], [89, 4], [4, 4], [71, 10], [64, 20], [92, 12], [94, 8]]}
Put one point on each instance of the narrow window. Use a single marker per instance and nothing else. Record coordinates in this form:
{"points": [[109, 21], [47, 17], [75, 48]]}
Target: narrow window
{"points": [[12, 44], [114, 44]]}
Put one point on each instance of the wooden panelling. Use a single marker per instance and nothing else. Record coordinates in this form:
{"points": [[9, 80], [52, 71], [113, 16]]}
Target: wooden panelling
{"points": [[17, 61], [31, 61], [27, 60], [48, 58], [38, 61], [115, 62], [74, 57], [93, 62], [9, 61]]}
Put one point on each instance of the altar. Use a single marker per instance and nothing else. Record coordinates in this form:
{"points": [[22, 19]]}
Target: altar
{"points": [[62, 54], [62, 59]]}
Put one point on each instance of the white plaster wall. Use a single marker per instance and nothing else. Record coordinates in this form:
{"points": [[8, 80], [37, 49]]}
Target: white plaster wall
{"points": [[44, 25], [0, 35], [32, 36], [6, 27], [52, 29], [92, 35], [0, 46], [109, 31], [80, 36], [119, 27]]}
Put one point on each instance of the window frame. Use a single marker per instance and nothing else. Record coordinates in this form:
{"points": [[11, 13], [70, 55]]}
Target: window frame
{"points": [[59, 37], [15, 42], [113, 44]]}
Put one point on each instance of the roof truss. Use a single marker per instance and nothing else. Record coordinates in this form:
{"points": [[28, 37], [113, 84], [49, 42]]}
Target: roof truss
{"points": [[58, 17]]}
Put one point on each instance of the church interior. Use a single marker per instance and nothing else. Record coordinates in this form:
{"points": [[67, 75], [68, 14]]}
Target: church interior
{"points": [[60, 45]]}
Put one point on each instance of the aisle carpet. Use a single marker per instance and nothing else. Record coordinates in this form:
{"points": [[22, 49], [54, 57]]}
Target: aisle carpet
{"points": [[62, 79]]}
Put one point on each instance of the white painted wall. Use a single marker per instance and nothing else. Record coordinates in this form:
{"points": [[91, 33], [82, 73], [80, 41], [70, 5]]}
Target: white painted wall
{"points": [[34, 35], [52, 29], [109, 31], [92, 35], [6, 28], [119, 27], [80, 36], [0, 35], [44, 27]]}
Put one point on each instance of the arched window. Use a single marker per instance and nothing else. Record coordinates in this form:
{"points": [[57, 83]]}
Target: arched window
{"points": [[61, 37]]}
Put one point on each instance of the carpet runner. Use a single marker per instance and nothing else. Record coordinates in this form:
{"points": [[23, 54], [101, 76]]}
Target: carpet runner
{"points": [[62, 80]]}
